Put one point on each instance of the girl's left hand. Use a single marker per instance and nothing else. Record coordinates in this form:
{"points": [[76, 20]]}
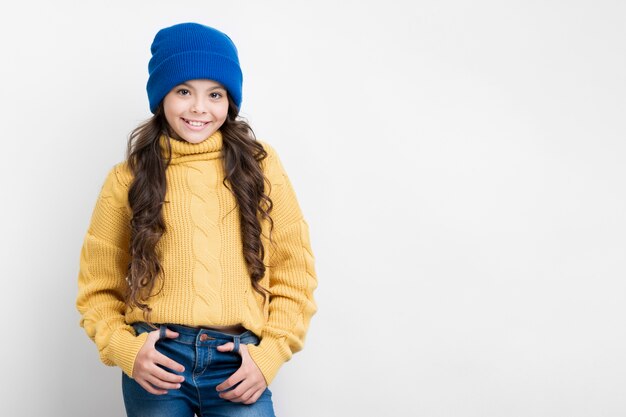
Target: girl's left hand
{"points": [[252, 380]]}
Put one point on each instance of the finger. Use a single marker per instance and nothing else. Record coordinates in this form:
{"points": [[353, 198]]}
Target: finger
{"points": [[171, 334], [236, 398], [163, 375], [238, 376], [160, 384], [146, 385], [243, 352], [226, 347], [240, 393], [153, 337], [161, 359], [255, 397]]}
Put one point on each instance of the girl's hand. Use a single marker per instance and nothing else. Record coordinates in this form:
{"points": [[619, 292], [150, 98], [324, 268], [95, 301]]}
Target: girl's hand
{"points": [[252, 380], [152, 378]]}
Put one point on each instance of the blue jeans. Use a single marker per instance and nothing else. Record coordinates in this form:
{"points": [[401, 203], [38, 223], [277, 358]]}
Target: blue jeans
{"points": [[205, 368]]}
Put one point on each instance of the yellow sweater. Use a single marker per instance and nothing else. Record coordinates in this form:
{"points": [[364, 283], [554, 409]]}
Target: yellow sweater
{"points": [[205, 280]]}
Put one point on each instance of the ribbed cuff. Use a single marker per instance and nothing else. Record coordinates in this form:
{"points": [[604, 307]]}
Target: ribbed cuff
{"points": [[269, 356], [124, 347]]}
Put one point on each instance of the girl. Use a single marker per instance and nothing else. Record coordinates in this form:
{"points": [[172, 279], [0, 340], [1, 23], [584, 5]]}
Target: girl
{"points": [[196, 273]]}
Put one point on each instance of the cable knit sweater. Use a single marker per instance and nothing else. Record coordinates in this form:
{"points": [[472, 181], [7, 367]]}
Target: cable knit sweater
{"points": [[204, 277]]}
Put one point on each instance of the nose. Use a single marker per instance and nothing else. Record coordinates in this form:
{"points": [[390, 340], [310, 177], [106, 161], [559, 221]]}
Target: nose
{"points": [[199, 105]]}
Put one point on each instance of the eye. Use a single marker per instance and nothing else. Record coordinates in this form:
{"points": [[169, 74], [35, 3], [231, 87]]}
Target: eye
{"points": [[183, 91], [216, 95]]}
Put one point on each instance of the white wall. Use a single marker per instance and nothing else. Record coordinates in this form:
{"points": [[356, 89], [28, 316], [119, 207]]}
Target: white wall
{"points": [[461, 166]]}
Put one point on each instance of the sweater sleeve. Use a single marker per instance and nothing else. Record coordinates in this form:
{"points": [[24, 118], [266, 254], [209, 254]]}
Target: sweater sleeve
{"points": [[102, 283], [292, 276]]}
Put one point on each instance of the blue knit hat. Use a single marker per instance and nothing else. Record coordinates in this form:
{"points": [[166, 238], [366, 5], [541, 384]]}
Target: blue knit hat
{"points": [[189, 51]]}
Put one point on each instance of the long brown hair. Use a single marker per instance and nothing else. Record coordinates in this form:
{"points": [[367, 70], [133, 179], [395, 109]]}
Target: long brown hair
{"points": [[242, 155]]}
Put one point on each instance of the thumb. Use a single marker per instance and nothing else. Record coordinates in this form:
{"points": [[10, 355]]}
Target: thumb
{"points": [[226, 347], [171, 334], [155, 335]]}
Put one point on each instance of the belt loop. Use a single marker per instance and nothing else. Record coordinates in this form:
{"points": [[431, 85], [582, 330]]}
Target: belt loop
{"points": [[162, 330], [236, 340]]}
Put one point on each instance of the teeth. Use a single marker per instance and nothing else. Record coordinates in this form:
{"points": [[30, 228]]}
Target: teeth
{"points": [[197, 124]]}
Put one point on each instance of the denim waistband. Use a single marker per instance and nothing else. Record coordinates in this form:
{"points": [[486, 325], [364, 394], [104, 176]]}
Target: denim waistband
{"points": [[192, 335]]}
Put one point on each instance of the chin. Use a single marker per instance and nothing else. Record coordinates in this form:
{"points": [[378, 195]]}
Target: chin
{"points": [[196, 137]]}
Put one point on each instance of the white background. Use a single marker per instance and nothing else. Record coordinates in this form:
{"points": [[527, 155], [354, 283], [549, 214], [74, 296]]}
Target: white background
{"points": [[461, 166]]}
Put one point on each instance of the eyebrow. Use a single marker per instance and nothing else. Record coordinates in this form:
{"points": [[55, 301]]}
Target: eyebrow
{"points": [[217, 87]]}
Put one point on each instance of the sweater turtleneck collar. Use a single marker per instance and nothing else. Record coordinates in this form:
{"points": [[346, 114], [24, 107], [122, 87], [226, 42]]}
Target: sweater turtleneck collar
{"points": [[183, 151]]}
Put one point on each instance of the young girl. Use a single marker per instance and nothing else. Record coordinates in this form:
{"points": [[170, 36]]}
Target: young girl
{"points": [[196, 273]]}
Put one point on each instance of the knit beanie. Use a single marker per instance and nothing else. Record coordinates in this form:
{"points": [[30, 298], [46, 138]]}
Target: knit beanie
{"points": [[189, 51]]}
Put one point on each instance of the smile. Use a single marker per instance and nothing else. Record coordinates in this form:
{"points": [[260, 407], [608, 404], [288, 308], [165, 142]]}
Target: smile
{"points": [[195, 123]]}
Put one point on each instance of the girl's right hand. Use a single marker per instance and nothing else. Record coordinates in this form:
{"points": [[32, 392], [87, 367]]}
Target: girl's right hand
{"points": [[151, 377]]}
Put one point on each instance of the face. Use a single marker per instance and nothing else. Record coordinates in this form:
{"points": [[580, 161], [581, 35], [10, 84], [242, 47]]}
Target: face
{"points": [[195, 109]]}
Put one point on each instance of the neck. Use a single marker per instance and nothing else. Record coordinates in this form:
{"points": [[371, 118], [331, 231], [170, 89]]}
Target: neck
{"points": [[183, 151]]}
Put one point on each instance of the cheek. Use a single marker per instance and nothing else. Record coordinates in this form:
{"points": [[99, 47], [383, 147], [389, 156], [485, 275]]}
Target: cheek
{"points": [[171, 118], [222, 112], [169, 110]]}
